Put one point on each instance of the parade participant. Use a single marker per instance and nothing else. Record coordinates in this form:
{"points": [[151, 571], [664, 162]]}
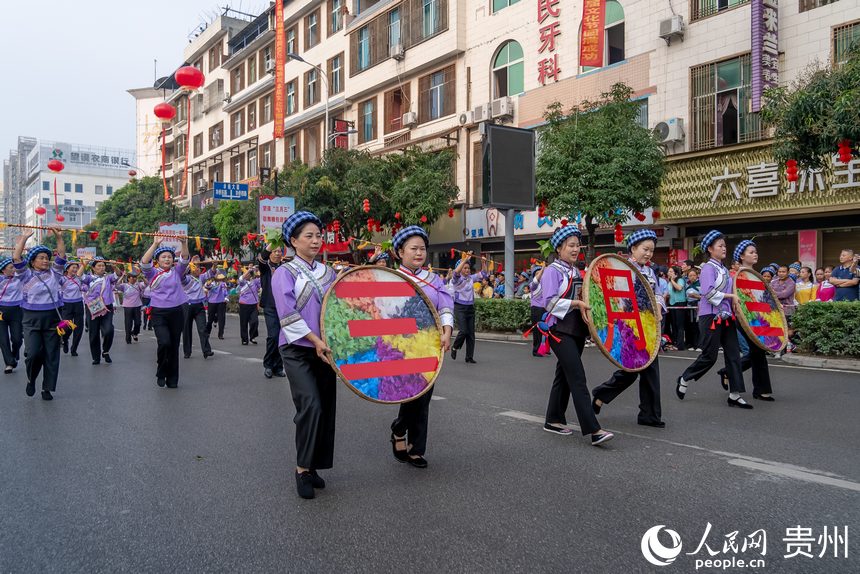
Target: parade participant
{"points": [[754, 357], [73, 304], [464, 306], [805, 288], [168, 298], [298, 288], [536, 312], [717, 324], [558, 294], [410, 246], [11, 328], [249, 319], [98, 301], [41, 310], [131, 289], [195, 309], [640, 246], [768, 273], [147, 297], [216, 293], [826, 289], [269, 260]]}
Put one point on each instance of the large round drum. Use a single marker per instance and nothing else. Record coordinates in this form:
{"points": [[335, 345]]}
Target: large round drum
{"points": [[759, 312], [384, 333], [624, 317]]}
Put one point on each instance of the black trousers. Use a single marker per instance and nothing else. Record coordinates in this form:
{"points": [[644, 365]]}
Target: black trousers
{"points": [[756, 360], [569, 382], [692, 333], [249, 322], [722, 335], [537, 313], [74, 312], [194, 315], [167, 323], [145, 302], [312, 385], [649, 391], [272, 358], [677, 319], [465, 317], [11, 334], [101, 333], [217, 312], [132, 322], [43, 347], [413, 420]]}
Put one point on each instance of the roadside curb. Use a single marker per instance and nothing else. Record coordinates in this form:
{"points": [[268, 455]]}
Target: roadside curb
{"points": [[509, 337], [822, 362]]}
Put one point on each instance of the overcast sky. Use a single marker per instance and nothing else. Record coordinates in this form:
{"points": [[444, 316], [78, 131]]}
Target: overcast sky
{"points": [[66, 66]]}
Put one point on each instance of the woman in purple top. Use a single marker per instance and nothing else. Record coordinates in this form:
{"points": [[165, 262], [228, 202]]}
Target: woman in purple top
{"points": [[559, 295], [11, 328], [73, 304], [410, 245], [216, 294], [167, 301], [195, 309], [249, 298], [717, 324], [464, 306], [298, 289], [131, 289], [41, 309], [100, 287]]}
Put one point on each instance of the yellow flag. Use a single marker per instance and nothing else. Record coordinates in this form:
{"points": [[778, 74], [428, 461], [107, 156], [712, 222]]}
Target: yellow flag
{"points": [[2, 225], [224, 264], [128, 267], [197, 242], [136, 239], [74, 236], [492, 265]]}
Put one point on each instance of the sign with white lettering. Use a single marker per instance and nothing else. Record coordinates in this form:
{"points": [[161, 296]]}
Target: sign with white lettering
{"points": [[233, 191], [274, 211]]}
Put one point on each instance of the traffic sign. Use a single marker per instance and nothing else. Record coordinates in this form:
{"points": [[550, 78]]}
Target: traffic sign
{"points": [[227, 190]]}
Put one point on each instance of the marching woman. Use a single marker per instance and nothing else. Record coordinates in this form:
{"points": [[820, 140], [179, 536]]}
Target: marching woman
{"points": [[132, 302], [298, 288], [464, 306], [410, 245], [249, 319], [168, 300], [217, 296], [73, 304], [755, 357], [640, 245], [11, 329], [98, 301], [41, 309], [195, 309], [717, 324], [147, 296], [558, 293], [269, 260]]}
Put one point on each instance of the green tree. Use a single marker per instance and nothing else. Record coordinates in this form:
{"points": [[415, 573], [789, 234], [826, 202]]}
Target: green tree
{"points": [[821, 108], [597, 161], [234, 220]]}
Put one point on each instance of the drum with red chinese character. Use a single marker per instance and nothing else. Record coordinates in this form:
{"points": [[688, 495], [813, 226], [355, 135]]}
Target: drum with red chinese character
{"points": [[624, 320], [384, 333], [759, 312]]}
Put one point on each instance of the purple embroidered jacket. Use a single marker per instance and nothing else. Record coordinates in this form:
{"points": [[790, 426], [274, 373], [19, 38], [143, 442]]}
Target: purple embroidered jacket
{"points": [[99, 286], [41, 288], [131, 294], [298, 289], [547, 294], [166, 286], [248, 291], [11, 294], [434, 287], [73, 289], [464, 289], [715, 283], [217, 292], [194, 286]]}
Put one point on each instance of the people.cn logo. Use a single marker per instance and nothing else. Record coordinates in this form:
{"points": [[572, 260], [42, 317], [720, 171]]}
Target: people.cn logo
{"points": [[654, 551]]}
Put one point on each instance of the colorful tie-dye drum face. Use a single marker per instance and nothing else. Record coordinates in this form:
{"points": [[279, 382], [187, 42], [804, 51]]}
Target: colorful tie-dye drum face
{"points": [[759, 312], [384, 334], [624, 317]]}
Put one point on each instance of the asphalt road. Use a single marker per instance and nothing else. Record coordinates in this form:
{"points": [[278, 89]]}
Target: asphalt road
{"points": [[117, 475]]}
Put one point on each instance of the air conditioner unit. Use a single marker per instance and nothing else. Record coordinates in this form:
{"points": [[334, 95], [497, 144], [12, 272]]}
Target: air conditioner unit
{"points": [[202, 185], [482, 113], [672, 28], [467, 118], [409, 119], [270, 66], [397, 51], [670, 131], [503, 108]]}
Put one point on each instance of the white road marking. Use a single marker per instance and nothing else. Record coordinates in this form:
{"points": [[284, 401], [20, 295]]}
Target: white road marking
{"points": [[219, 352], [773, 365], [435, 398], [798, 474]]}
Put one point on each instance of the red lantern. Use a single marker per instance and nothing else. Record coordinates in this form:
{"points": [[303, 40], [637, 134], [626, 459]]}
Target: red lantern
{"points": [[397, 216], [60, 217], [639, 216], [451, 212], [542, 209], [40, 210], [94, 235], [132, 173], [365, 206], [791, 170], [845, 151], [423, 219], [56, 165], [336, 226], [655, 214], [164, 111], [189, 77], [563, 222], [453, 251]]}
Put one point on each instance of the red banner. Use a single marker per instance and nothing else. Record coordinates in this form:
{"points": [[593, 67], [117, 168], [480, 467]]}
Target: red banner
{"points": [[280, 61], [591, 40]]}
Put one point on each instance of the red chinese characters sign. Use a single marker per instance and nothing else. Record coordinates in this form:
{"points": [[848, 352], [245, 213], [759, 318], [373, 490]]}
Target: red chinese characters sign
{"points": [[591, 41], [280, 61], [548, 13]]}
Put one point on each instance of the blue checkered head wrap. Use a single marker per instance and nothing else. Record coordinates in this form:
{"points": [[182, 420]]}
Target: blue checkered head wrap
{"points": [[563, 233], [69, 263], [296, 221], [31, 255], [795, 266], [770, 269], [639, 236], [742, 246], [709, 238], [4, 262], [411, 231], [164, 249], [98, 258]]}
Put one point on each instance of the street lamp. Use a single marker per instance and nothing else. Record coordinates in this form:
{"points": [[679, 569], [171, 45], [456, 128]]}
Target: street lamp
{"points": [[324, 76], [338, 134]]}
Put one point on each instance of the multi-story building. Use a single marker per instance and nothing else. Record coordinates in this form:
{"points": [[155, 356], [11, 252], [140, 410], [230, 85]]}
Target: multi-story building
{"points": [[429, 72], [14, 183]]}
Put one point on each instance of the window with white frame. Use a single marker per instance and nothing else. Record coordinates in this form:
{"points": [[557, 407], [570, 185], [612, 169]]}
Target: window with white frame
{"points": [[508, 70], [291, 97], [252, 163]]}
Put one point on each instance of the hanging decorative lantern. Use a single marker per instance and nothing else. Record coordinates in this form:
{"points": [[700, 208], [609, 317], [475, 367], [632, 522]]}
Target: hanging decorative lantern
{"points": [[190, 80], [639, 216], [845, 151], [542, 209], [165, 112], [450, 212], [791, 170], [619, 233], [56, 166], [423, 219], [132, 173], [94, 235], [59, 217], [40, 210], [365, 206], [397, 216], [563, 222], [655, 214]]}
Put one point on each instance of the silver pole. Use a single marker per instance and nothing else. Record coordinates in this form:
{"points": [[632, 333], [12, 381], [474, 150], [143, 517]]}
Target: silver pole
{"points": [[509, 254]]}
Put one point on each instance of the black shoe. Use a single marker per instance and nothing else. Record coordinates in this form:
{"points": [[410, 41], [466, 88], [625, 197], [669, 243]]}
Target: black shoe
{"points": [[96, 362], [220, 337], [419, 462], [268, 373], [739, 402], [134, 337], [47, 396], [160, 381], [595, 407], [536, 354], [8, 370], [601, 437], [31, 388], [209, 354], [316, 480], [107, 358], [563, 431], [174, 385], [128, 341], [304, 484], [655, 424], [254, 342], [187, 356], [74, 353], [400, 455], [759, 397], [281, 374], [471, 361], [678, 389], [724, 380], [243, 342], [453, 354], [65, 345]]}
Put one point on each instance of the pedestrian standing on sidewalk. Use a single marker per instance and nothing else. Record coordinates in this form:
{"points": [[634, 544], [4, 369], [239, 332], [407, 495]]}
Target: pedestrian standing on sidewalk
{"points": [[194, 311], [131, 289], [11, 327], [464, 306], [269, 260], [98, 301], [73, 305], [249, 299], [677, 302], [805, 287], [216, 293]]}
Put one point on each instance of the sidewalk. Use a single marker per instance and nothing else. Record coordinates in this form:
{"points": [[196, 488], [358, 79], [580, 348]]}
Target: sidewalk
{"points": [[846, 364]]}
